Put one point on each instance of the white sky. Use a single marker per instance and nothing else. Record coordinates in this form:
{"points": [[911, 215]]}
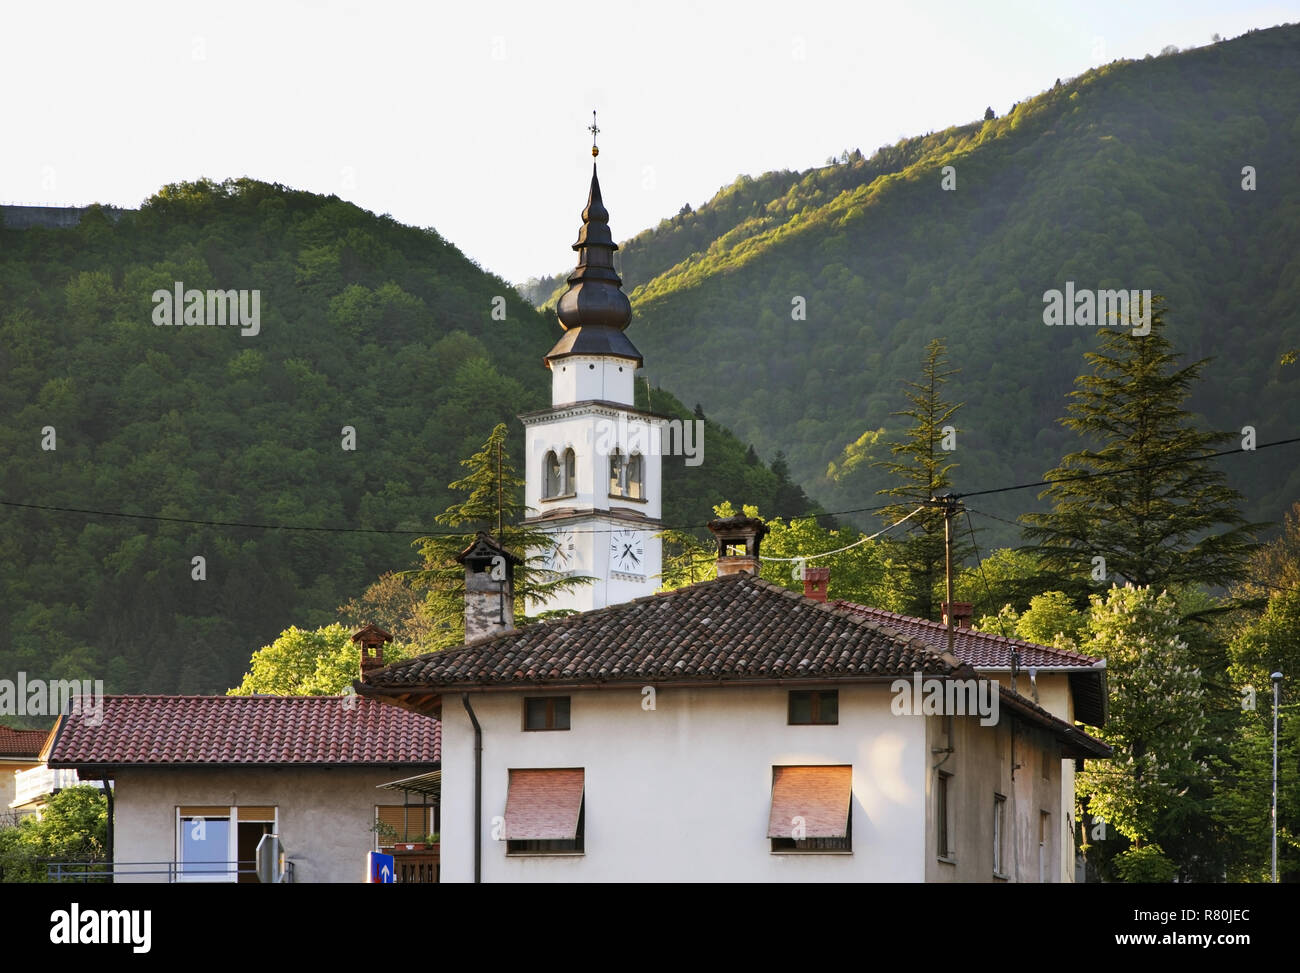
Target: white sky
{"points": [[471, 117]]}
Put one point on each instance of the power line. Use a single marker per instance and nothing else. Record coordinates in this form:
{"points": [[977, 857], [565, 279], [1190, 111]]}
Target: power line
{"points": [[424, 532], [1012, 523], [419, 531], [846, 547], [1128, 469]]}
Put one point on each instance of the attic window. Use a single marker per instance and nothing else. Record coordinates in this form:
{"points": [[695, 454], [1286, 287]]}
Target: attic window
{"points": [[818, 707], [546, 712]]}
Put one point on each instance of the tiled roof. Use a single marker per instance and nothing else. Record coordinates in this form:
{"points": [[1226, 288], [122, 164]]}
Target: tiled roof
{"points": [[732, 628], [972, 647], [23, 744], [246, 730]]}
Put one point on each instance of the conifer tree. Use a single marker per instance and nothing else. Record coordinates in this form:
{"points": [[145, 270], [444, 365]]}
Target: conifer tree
{"points": [[1141, 495], [493, 504], [921, 464]]}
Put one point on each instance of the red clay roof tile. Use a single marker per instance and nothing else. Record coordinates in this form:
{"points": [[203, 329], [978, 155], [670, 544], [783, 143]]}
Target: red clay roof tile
{"points": [[265, 730]]}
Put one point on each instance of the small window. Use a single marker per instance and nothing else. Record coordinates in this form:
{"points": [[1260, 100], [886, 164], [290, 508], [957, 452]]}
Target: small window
{"points": [[568, 476], [550, 475], [617, 474], [1047, 760], [546, 713], [943, 847], [635, 477], [815, 707], [1044, 848], [999, 833]]}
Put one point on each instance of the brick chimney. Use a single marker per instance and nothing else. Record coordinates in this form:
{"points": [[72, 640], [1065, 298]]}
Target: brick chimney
{"points": [[489, 587], [738, 540], [962, 613], [371, 639], [815, 582]]}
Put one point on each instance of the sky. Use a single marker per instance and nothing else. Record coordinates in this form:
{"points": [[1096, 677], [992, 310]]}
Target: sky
{"points": [[472, 118]]}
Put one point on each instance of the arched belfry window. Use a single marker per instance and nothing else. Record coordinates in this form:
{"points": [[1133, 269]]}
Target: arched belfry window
{"points": [[568, 475], [550, 475], [635, 477], [617, 474]]}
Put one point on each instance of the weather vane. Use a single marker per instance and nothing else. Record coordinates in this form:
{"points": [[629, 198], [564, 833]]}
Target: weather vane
{"points": [[594, 132]]}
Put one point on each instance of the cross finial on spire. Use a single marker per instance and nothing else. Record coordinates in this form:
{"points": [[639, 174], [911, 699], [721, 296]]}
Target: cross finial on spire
{"points": [[594, 132]]}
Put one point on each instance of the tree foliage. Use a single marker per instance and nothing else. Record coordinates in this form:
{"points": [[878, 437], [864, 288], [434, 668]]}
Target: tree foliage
{"points": [[919, 468], [493, 503], [73, 827], [1140, 494], [1157, 717], [320, 662], [365, 323]]}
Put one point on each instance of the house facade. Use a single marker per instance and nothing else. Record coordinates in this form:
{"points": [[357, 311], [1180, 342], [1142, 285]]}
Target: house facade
{"points": [[1069, 685], [198, 780], [732, 731]]}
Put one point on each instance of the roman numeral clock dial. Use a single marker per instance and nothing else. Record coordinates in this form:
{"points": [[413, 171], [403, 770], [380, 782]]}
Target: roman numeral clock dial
{"points": [[627, 552], [561, 555]]}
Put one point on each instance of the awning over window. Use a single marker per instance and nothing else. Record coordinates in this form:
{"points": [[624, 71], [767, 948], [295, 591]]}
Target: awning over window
{"points": [[543, 805], [818, 795]]}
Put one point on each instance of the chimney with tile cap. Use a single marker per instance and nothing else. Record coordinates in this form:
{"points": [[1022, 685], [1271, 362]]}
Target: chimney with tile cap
{"points": [[738, 541], [815, 582], [489, 587], [371, 639]]}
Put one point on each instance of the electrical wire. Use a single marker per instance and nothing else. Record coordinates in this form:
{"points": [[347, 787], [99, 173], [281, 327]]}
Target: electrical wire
{"points": [[846, 547], [424, 532]]}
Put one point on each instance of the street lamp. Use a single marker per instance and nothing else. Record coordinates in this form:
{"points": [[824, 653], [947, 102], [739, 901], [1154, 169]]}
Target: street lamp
{"points": [[1277, 685]]}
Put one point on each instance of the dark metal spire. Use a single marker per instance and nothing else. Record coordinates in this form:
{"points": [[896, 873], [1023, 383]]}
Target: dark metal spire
{"points": [[594, 310]]}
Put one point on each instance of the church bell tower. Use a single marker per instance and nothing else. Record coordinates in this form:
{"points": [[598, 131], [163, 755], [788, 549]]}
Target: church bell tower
{"points": [[594, 461]]}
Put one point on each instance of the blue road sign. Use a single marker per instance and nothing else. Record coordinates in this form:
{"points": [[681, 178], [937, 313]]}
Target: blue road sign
{"points": [[381, 868]]}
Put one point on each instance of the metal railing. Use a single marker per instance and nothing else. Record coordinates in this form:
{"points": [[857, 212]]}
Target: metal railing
{"points": [[166, 871]]}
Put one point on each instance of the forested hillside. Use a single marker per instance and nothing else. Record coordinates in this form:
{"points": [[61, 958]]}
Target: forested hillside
{"points": [[1128, 176], [364, 323]]}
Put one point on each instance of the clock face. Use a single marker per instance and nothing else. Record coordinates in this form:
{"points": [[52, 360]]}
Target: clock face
{"points": [[627, 551], [561, 556]]}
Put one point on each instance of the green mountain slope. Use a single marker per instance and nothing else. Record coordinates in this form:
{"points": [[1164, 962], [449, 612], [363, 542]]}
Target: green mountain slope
{"points": [[364, 323], [1128, 176]]}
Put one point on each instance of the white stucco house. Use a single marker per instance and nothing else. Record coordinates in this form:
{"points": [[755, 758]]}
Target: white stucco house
{"points": [[732, 730]]}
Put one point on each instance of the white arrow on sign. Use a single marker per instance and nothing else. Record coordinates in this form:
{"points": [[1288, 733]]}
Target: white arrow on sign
{"points": [[384, 873]]}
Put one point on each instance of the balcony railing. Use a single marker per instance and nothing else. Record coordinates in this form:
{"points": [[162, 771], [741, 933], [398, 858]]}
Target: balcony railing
{"points": [[168, 871]]}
